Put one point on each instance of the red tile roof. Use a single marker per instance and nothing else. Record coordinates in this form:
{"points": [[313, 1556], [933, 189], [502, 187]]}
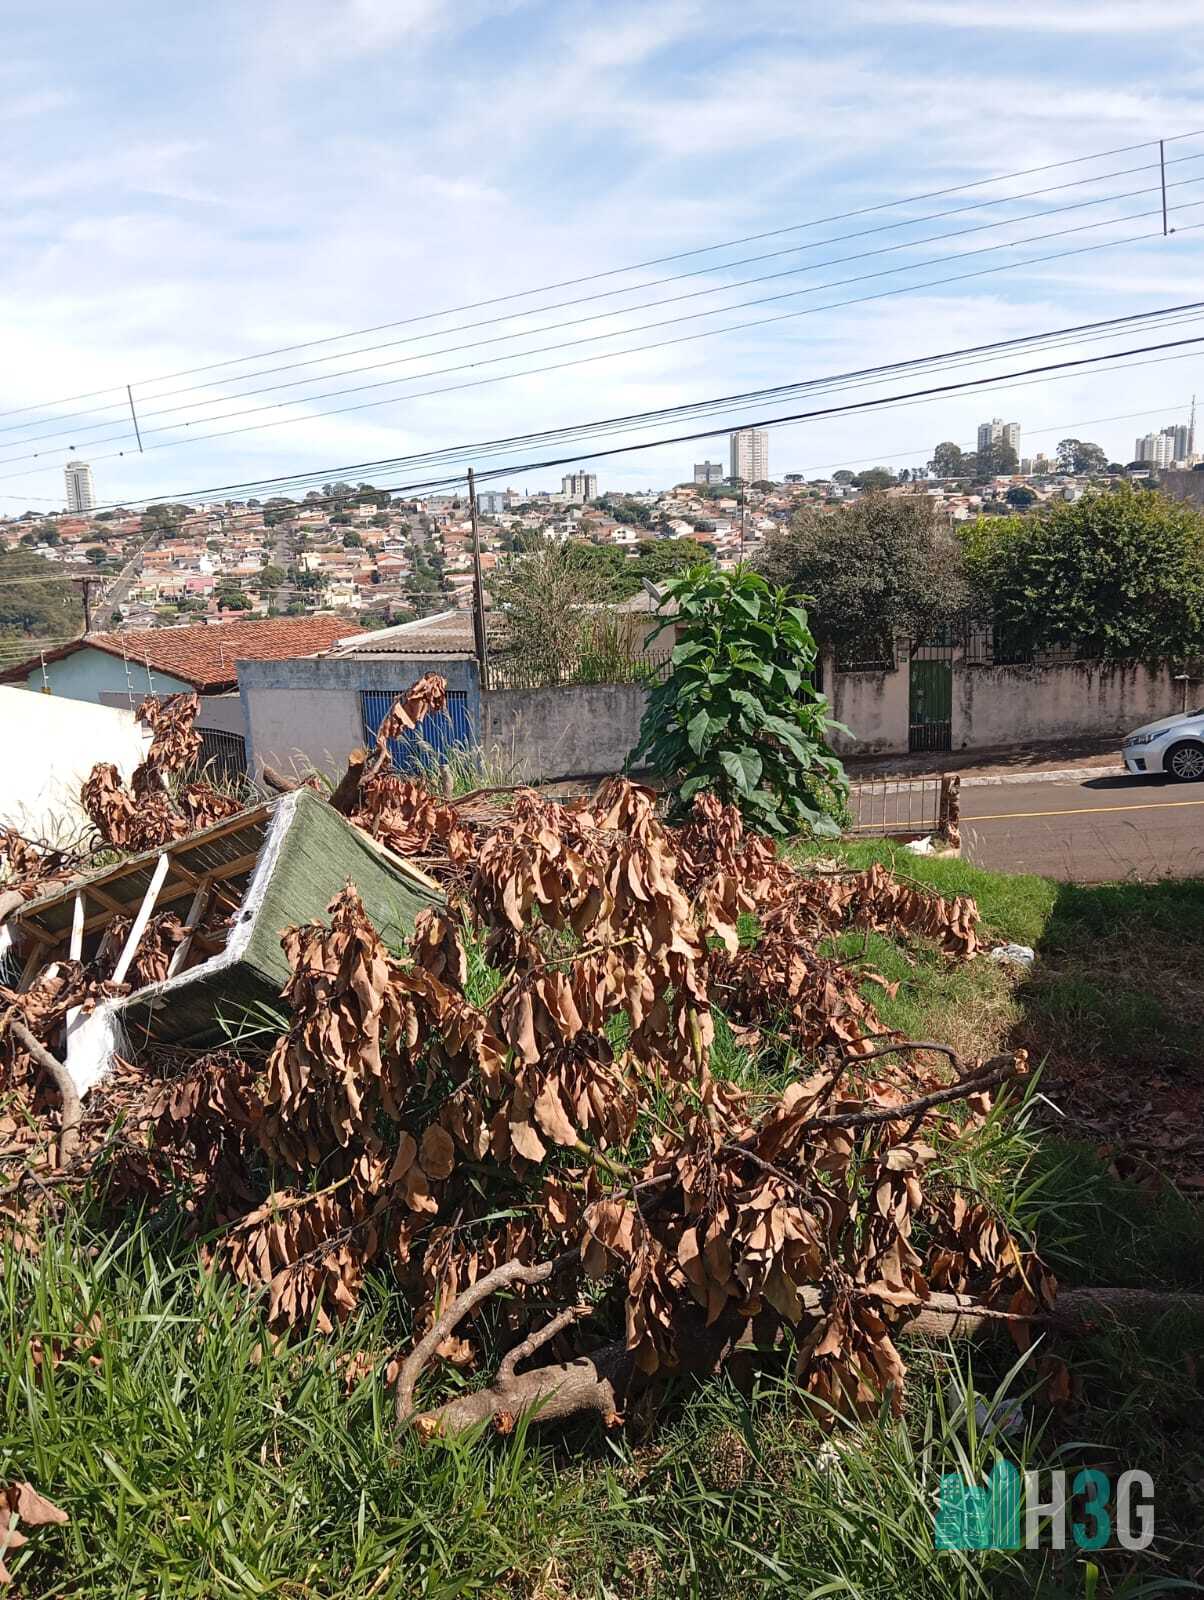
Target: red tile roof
{"points": [[205, 656]]}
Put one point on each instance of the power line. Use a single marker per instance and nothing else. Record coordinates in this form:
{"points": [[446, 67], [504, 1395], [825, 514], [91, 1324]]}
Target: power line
{"points": [[714, 288], [931, 194], [659, 344], [152, 415], [1163, 317], [426, 486]]}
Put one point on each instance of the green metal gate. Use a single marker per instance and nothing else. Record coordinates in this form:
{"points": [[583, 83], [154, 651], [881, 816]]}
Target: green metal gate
{"points": [[930, 710]]}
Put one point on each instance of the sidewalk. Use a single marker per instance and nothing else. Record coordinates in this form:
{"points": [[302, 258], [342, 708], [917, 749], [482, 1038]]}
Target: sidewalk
{"points": [[1029, 763]]}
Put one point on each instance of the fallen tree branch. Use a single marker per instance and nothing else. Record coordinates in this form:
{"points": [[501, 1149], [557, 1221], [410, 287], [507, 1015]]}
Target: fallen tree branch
{"points": [[72, 1111], [277, 781], [601, 1382], [996, 1071], [536, 1341], [346, 791], [509, 1274]]}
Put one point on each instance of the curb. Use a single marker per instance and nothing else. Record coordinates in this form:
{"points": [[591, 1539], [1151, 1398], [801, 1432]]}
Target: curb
{"points": [[1047, 775], [903, 783]]}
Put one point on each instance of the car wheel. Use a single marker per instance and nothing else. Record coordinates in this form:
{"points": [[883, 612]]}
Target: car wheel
{"points": [[1185, 761]]}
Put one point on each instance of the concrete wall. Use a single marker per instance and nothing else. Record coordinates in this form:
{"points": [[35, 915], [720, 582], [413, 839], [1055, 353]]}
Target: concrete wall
{"points": [[872, 705], [1088, 699], [577, 731], [90, 674], [53, 743], [221, 713], [306, 713]]}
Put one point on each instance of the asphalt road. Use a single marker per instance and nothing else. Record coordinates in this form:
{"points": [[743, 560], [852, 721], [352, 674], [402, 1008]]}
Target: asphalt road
{"points": [[1090, 830]]}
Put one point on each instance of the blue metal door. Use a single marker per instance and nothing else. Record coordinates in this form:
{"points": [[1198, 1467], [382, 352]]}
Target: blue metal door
{"points": [[432, 741]]}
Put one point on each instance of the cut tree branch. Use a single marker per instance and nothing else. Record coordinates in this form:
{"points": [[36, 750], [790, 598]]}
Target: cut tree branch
{"points": [[602, 1381], [994, 1072], [72, 1111], [508, 1275]]}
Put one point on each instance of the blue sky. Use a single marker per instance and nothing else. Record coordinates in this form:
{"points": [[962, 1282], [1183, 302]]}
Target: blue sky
{"points": [[186, 184]]}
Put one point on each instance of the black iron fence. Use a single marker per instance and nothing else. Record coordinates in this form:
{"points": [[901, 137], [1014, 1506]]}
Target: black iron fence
{"points": [[523, 672], [222, 754]]}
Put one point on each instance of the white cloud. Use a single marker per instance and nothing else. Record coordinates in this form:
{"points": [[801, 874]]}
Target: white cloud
{"points": [[1016, 16]]}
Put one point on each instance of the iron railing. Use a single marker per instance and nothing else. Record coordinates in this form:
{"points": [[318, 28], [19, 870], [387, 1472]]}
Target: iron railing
{"points": [[519, 672], [881, 807], [222, 754]]}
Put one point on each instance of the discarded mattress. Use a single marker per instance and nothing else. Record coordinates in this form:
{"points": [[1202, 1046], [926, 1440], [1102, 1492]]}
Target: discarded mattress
{"points": [[274, 866]]}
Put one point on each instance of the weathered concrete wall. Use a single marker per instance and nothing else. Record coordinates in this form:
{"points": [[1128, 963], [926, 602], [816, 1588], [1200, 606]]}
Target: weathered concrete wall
{"points": [[222, 713], [306, 713], [1015, 705], [872, 705], [576, 731], [1178, 484]]}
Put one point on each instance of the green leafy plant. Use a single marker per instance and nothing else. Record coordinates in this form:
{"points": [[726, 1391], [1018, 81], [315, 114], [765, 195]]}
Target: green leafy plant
{"points": [[1118, 574], [739, 713]]}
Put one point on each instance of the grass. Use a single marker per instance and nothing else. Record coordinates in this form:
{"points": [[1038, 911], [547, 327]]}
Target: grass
{"points": [[197, 1459]]}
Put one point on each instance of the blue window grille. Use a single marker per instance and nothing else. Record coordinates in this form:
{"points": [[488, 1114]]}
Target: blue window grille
{"points": [[432, 740]]}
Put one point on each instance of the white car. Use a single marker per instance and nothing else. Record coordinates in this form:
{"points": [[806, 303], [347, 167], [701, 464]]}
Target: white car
{"points": [[1174, 745]]}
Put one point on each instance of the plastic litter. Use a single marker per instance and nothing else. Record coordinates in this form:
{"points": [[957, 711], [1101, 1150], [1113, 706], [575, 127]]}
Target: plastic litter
{"points": [[1015, 955], [922, 847], [999, 1416]]}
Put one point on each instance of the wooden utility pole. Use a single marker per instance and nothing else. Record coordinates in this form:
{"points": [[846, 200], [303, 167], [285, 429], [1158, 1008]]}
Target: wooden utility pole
{"points": [[480, 635], [86, 589]]}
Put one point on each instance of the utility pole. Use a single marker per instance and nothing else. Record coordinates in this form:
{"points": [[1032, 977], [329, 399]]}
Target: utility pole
{"points": [[478, 586], [86, 589]]}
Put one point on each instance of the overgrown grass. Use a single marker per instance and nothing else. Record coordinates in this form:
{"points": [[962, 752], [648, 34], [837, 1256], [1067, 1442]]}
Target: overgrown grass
{"points": [[197, 1459]]}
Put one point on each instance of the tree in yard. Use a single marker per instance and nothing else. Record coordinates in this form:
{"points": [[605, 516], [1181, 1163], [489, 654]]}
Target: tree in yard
{"points": [[874, 478], [738, 714], [1119, 573], [1079, 455], [551, 598], [233, 600], [1020, 497], [664, 558], [947, 460], [869, 571], [843, 476], [270, 577], [996, 460]]}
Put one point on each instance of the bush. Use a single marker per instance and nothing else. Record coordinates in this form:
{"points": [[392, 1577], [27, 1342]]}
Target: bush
{"points": [[1119, 573], [739, 713]]}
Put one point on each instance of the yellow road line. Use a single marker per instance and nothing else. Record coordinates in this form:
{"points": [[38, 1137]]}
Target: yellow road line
{"points": [[1079, 811]]}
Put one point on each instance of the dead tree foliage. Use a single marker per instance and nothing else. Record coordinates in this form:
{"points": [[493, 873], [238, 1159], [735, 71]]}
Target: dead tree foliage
{"points": [[519, 1115]]}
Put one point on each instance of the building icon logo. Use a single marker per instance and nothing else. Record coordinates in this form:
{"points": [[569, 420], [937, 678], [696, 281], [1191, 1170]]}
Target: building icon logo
{"points": [[974, 1516]]}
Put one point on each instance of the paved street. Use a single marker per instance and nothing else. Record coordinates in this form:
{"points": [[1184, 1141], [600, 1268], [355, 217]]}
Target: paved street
{"points": [[1089, 830]]}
